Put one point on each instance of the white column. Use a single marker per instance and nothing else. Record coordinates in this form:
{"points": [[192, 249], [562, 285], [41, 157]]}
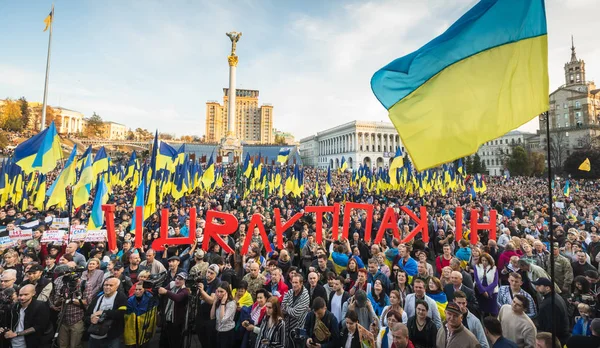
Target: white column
{"points": [[231, 107]]}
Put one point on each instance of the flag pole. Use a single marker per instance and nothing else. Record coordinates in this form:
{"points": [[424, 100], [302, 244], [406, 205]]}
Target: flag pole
{"points": [[45, 104], [551, 215]]}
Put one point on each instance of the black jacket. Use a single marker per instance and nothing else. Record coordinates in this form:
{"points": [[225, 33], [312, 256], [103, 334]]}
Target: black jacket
{"points": [[116, 314], [345, 297], [37, 315], [472, 303], [318, 292], [330, 321], [559, 322], [430, 331]]}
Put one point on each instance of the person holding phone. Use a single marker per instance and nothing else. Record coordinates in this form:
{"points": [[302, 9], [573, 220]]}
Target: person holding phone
{"points": [[223, 310], [321, 326], [271, 333]]}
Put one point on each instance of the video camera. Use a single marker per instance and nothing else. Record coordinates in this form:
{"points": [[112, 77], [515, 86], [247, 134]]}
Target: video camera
{"points": [[155, 281], [192, 282], [70, 275]]}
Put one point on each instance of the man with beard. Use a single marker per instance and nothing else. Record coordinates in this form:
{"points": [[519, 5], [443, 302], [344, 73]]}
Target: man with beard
{"points": [[174, 312], [205, 327]]}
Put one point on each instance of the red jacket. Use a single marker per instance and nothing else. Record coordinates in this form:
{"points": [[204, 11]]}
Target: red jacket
{"points": [[282, 288]]}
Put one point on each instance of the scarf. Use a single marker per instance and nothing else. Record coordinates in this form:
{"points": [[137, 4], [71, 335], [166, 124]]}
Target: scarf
{"points": [[171, 306]]}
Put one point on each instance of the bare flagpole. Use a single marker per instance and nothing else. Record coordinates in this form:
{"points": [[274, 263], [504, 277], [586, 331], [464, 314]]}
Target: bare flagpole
{"points": [[551, 215], [43, 123]]}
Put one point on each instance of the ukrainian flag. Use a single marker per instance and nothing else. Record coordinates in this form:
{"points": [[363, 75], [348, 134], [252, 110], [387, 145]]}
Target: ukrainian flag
{"points": [[138, 201], [567, 189], [283, 155], [56, 193], [40, 152], [81, 192], [96, 216], [247, 166], [343, 165], [486, 75], [209, 174], [100, 161], [328, 183]]}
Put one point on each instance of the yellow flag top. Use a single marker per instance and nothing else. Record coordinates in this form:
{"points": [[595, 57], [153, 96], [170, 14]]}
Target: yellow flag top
{"points": [[48, 19], [585, 165]]}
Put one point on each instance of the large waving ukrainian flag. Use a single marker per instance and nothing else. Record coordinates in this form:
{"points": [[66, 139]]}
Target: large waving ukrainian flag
{"points": [[486, 75], [40, 152]]}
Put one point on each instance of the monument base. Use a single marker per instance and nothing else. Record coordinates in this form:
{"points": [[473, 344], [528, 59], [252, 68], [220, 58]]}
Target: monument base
{"points": [[230, 149]]}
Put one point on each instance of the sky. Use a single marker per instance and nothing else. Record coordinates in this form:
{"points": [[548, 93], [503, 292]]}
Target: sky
{"points": [[154, 64]]}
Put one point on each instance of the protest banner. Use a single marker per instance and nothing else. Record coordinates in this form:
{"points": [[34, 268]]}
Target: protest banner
{"points": [[18, 234], [6, 242], [95, 236], [53, 236], [60, 224], [78, 233]]}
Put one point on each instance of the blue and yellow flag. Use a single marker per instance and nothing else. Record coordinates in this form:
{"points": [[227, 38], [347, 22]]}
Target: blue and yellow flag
{"points": [[486, 75], [56, 193], [343, 164], [138, 201], [328, 183], [81, 191], [567, 189], [97, 216], [247, 168], [100, 161], [283, 155], [48, 19], [40, 152]]}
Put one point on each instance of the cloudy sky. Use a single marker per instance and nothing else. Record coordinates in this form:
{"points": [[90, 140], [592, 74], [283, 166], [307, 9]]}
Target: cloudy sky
{"points": [[154, 64]]}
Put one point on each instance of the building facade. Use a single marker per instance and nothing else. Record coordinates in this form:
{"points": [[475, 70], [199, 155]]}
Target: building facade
{"points": [[114, 131], [371, 143], [253, 123], [494, 153], [288, 138], [71, 121], [574, 112]]}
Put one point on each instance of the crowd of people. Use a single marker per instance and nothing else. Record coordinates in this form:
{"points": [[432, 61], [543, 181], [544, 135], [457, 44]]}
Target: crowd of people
{"points": [[339, 293]]}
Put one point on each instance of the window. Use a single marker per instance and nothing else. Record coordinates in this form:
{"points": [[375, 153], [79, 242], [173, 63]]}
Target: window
{"points": [[566, 116], [577, 105], [565, 106]]}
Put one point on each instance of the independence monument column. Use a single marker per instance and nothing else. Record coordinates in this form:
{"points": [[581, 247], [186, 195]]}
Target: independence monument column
{"points": [[231, 146], [232, 59]]}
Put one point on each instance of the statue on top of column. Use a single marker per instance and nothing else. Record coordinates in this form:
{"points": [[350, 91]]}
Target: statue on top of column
{"points": [[235, 37]]}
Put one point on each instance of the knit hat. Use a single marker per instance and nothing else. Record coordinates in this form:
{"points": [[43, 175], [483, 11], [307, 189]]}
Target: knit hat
{"points": [[214, 268], [453, 308]]}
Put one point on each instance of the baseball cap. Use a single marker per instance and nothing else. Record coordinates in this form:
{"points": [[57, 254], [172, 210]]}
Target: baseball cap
{"points": [[182, 275], [542, 281], [199, 253], [118, 265], [35, 268], [214, 268], [453, 308]]}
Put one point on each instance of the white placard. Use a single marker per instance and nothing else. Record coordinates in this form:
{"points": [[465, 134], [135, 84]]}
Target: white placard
{"points": [[78, 233], [6, 242], [31, 224], [18, 234], [95, 236], [60, 224], [53, 236]]}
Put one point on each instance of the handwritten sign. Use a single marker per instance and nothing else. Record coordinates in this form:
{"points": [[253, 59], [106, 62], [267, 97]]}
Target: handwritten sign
{"points": [[78, 233], [18, 234], [53, 236], [6, 242], [60, 224], [95, 236]]}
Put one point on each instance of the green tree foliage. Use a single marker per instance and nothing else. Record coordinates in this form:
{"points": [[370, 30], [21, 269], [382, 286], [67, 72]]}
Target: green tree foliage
{"points": [[537, 163], [518, 162], [573, 162], [280, 140], [25, 113], [469, 164], [10, 116], [477, 165], [95, 126]]}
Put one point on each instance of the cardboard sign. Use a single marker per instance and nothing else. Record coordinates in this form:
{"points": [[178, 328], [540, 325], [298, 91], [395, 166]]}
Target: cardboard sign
{"points": [[53, 236], [95, 236], [6, 242], [18, 234], [60, 224], [78, 233]]}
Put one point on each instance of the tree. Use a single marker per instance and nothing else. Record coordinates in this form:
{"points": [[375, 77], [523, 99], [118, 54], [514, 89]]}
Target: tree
{"points": [[25, 113], [130, 135], [3, 140], [477, 164], [558, 149], [537, 163], [10, 116], [165, 136], [50, 116], [95, 126], [469, 164], [573, 162], [518, 163], [483, 169]]}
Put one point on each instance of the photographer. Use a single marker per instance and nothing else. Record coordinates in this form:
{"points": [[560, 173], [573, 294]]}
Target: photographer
{"points": [[105, 314], [174, 312], [30, 324], [65, 289], [205, 327]]}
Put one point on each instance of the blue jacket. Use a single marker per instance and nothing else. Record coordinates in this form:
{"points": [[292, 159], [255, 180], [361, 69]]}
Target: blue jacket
{"points": [[579, 328], [410, 268]]}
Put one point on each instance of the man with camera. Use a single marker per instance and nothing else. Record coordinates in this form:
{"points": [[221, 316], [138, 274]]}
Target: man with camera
{"points": [[30, 323], [174, 311], [321, 326], [105, 315]]}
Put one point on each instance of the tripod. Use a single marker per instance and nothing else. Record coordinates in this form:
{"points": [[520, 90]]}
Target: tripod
{"points": [[190, 318]]}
